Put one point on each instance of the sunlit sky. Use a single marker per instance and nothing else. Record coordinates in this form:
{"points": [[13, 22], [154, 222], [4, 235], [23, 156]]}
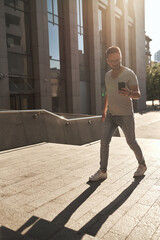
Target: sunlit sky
{"points": [[152, 24]]}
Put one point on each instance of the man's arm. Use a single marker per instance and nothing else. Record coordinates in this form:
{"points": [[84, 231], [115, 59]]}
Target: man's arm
{"points": [[133, 92], [105, 108]]}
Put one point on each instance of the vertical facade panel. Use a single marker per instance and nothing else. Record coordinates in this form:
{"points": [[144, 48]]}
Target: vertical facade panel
{"points": [[65, 69]]}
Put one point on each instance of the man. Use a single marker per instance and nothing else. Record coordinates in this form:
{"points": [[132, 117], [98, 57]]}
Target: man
{"points": [[118, 111]]}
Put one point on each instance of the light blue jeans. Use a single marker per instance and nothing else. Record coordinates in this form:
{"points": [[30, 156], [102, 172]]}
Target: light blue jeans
{"points": [[126, 123]]}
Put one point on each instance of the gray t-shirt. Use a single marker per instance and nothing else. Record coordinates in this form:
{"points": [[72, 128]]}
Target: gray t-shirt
{"points": [[117, 104]]}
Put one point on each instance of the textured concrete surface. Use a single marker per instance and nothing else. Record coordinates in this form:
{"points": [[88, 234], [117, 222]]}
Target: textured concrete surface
{"points": [[45, 193], [147, 124]]}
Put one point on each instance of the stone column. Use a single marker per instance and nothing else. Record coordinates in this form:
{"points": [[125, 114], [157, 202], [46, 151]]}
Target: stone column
{"points": [[112, 23], [126, 43], [40, 54], [94, 57], [140, 52], [71, 56], [4, 82]]}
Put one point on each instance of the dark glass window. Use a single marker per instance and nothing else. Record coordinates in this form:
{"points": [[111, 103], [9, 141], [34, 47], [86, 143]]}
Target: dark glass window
{"points": [[18, 36], [13, 40], [82, 30], [57, 54], [52, 6], [20, 84], [55, 29], [12, 20], [10, 3], [22, 101], [80, 25], [22, 5], [83, 37], [19, 64], [18, 32], [54, 46]]}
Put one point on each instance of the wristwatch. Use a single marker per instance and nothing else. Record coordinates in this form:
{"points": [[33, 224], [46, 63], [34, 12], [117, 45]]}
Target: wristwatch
{"points": [[130, 93]]}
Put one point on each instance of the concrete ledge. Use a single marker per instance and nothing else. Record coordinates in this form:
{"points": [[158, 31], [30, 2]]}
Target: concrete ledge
{"points": [[21, 128]]}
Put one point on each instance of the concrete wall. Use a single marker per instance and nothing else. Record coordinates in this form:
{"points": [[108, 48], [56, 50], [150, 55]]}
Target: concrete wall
{"points": [[22, 128]]}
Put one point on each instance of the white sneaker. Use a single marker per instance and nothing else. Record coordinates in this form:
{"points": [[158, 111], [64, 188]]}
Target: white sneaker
{"points": [[140, 171], [97, 176]]}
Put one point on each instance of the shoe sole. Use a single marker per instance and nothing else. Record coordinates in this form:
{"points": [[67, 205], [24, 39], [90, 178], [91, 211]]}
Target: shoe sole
{"points": [[140, 175], [95, 180]]}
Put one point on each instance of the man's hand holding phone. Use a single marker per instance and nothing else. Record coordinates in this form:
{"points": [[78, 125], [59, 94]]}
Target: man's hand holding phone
{"points": [[123, 90], [121, 85]]}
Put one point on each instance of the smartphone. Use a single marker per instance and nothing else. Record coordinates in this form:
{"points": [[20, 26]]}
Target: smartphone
{"points": [[121, 85]]}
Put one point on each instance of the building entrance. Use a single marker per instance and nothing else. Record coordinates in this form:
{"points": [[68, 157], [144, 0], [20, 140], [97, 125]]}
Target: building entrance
{"points": [[21, 101]]}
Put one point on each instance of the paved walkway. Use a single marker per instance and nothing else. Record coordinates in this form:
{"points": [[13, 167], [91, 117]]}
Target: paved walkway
{"points": [[45, 193], [147, 124]]}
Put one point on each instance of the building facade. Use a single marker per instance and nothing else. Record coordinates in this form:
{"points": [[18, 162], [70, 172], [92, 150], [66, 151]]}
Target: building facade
{"points": [[157, 56], [52, 52]]}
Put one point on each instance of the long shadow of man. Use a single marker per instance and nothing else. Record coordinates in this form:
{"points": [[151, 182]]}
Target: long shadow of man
{"points": [[56, 230], [94, 225], [43, 229]]}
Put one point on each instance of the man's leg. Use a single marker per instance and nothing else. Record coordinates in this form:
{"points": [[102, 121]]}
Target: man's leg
{"points": [[108, 130], [128, 127]]}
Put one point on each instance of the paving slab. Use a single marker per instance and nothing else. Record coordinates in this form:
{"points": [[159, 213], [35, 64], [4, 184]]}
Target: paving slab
{"points": [[147, 124], [45, 193]]}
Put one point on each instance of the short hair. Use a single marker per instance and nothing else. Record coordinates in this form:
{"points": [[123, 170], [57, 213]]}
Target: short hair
{"points": [[113, 49]]}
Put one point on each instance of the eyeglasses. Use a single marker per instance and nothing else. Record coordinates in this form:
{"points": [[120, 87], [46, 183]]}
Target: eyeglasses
{"points": [[114, 61]]}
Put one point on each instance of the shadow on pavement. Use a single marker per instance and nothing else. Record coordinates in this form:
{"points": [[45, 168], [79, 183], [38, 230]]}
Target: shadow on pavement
{"points": [[94, 225], [41, 229]]}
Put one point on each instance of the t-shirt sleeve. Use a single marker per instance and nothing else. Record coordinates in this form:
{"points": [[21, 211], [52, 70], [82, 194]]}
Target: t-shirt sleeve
{"points": [[133, 81]]}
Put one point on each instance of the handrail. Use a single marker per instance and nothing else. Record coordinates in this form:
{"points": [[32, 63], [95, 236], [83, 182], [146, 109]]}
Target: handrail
{"points": [[53, 114]]}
